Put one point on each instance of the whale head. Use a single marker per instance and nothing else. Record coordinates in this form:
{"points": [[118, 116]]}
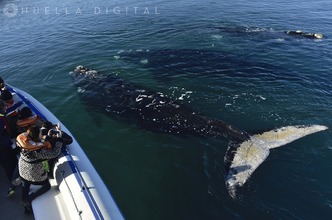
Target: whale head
{"points": [[81, 71], [81, 74]]}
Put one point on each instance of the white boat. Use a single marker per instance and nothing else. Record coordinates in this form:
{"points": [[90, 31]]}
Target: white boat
{"points": [[77, 190]]}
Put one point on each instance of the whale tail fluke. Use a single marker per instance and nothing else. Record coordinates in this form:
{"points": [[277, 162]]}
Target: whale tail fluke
{"points": [[242, 159]]}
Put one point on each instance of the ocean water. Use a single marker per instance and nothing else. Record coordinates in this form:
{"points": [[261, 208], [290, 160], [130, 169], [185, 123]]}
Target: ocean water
{"points": [[226, 59]]}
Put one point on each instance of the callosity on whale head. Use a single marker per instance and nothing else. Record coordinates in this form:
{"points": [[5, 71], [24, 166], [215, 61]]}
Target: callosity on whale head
{"points": [[82, 73]]}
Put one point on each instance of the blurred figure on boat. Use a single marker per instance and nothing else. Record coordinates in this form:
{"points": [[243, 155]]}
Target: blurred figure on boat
{"points": [[12, 110], [26, 119], [8, 159], [7, 97], [33, 165], [2, 85], [30, 140], [48, 133]]}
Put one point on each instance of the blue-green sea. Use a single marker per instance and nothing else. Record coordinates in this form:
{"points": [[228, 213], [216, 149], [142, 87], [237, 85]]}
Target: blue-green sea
{"points": [[230, 60]]}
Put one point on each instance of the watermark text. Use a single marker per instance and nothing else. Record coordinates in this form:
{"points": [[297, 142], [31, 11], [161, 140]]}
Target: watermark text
{"points": [[12, 10]]}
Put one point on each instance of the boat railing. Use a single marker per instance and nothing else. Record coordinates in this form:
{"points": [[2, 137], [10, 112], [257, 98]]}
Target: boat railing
{"points": [[84, 187]]}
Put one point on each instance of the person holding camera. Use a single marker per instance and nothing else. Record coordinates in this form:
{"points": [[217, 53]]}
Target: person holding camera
{"points": [[33, 162]]}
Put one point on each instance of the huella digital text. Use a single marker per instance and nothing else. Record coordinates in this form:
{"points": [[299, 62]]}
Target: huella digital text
{"points": [[94, 10]]}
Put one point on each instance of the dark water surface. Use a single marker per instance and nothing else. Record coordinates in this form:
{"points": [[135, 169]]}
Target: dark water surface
{"points": [[226, 59]]}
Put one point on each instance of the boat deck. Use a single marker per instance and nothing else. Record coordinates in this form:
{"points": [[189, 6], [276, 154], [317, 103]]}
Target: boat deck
{"points": [[11, 208]]}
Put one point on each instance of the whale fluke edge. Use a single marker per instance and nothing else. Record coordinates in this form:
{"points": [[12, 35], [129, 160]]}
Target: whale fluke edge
{"points": [[242, 159]]}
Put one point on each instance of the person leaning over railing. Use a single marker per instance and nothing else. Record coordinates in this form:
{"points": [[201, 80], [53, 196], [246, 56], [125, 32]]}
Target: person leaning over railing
{"points": [[33, 166]]}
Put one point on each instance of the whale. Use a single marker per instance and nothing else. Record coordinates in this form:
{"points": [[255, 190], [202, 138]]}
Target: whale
{"points": [[309, 35], [267, 33], [155, 111]]}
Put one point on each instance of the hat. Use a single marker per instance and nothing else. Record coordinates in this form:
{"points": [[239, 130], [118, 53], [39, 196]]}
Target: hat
{"points": [[1, 80]]}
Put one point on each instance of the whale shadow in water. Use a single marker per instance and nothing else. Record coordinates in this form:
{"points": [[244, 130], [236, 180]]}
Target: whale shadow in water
{"points": [[168, 63], [155, 111]]}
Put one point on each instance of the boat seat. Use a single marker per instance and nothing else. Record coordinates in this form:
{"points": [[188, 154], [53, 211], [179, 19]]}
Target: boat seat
{"points": [[51, 205], [66, 199]]}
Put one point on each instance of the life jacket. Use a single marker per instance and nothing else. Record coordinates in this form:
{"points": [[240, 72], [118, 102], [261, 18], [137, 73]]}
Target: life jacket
{"points": [[23, 141], [27, 122]]}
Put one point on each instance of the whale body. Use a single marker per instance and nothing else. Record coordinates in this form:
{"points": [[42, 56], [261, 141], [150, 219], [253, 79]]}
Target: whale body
{"points": [[155, 111], [305, 35], [266, 32], [151, 110]]}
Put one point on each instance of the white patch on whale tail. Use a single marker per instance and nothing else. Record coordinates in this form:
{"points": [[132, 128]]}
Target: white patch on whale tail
{"points": [[244, 158]]}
